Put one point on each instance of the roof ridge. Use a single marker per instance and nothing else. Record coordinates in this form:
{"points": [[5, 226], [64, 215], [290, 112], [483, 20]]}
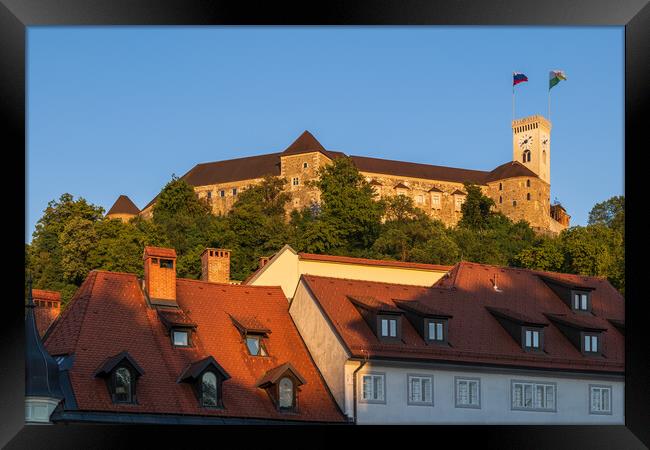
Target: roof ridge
{"points": [[229, 284], [232, 159], [421, 164]]}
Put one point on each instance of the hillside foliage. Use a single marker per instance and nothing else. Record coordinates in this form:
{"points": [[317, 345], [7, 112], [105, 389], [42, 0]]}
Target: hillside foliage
{"points": [[73, 236]]}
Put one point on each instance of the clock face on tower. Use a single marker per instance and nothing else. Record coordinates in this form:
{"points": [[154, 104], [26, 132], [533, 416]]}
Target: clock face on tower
{"points": [[526, 141], [544, 140]]}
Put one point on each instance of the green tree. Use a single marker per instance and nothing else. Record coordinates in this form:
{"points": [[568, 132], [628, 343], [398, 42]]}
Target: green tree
{"points": [[440, 248], [611, 213], [46, 256], [351, 215], [545, 255], [476, 209]]}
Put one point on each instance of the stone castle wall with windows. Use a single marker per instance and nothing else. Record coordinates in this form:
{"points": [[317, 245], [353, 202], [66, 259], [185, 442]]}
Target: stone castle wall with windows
{"points": [[520, 189]]}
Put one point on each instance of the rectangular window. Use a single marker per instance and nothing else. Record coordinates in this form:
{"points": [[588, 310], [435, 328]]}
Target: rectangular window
{"points": [[295, 181], [389, 327], [435, 201], [373, 388], [180, 338], [166, 263], [581, 301], [222, 193], [419, 199], [459, 202], [420, 390], [436, 330], [468, 393], [590, 343], [533, 396], [532, 339], [234, 191], [209, 194], [600, 399]]}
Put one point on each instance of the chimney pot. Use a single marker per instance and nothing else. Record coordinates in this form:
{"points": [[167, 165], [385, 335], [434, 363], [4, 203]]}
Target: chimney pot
{"points": [[215, 265], [263, 261]]}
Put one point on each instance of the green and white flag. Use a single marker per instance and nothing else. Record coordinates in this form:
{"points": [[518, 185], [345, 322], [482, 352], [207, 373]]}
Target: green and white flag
{"points": [[554, 77]]}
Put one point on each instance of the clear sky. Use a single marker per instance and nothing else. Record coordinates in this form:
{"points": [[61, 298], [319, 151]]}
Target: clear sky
{"points": [[117, 110]]}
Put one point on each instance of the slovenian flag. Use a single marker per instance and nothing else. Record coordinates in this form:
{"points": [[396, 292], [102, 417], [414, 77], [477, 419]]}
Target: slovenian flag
{"points": [[518, 77], [554, 77]]}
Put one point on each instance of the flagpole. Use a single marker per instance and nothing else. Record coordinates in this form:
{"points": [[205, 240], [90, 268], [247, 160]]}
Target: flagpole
{"points": [[513, 102], [549, 105]]}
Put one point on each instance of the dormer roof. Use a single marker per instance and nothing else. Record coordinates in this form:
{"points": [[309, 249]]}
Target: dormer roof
{"points": [[273, 375], [196, 368], [112, 362]]}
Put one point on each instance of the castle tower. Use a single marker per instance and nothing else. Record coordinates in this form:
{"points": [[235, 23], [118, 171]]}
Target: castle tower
{"points": [[531, 145]]}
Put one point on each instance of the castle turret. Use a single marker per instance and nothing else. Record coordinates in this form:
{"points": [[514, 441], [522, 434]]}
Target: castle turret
{"points": [[42, 389], [123, 209]]}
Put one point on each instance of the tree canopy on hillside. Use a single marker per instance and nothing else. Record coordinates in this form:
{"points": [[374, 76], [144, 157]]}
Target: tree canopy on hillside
{"points": [[73, 237]]}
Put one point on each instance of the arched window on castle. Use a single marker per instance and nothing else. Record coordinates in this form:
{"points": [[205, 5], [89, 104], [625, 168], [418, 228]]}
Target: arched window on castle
{"points": [[526, 156], [527, 183], [500, 186], [544, 156], [528, 196], [500, 199]]}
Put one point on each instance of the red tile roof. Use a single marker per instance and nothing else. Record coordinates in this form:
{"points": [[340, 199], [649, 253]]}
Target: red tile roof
{"points": [[372, 262], [510, 169], [41, 294], [475, 335], [47, 308], [109, 315]]}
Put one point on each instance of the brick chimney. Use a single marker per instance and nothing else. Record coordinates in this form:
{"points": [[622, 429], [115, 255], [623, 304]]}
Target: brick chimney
{"points": [[47, 307], [263, 261], [215, 265], [160, 275]]}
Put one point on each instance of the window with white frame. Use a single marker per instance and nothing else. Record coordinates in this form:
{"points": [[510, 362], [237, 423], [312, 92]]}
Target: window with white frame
{"points": [[532, 339], [419, 199], [533, 396], [600, 399], [420, 390], [580, 301], [295, 181], [590, 343], [436, 330], [435, 201], [460, 199], [388, 328], [468, 393], [372, 388]]}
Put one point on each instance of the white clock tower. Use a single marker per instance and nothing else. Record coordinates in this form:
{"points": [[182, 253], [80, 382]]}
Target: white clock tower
{"points": [[531, 145]]}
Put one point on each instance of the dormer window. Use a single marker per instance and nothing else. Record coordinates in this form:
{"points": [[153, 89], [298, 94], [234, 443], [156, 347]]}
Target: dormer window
{"points": [[581, 301], [121, 373], [527, 331], [178, 325], [255, 345], [590, 344], [286, 393], [383, 317], [437, 330], [180, 338], [206, 377], [281, 384], [389, 327], [533, 339], [122, 386], [209, 395], [253, 333]]}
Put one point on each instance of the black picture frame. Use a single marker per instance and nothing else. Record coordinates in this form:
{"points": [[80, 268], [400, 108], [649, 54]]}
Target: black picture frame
{"points": [[16, 15]]}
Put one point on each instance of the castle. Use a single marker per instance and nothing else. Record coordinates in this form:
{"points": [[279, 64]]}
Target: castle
{"points": [[520, 188]]}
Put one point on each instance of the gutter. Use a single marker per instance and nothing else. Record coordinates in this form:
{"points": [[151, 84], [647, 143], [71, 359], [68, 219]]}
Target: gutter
{"points": [[354, 386]]}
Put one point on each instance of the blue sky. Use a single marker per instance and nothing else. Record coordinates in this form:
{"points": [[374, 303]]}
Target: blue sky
{"points": [[117, 110]]}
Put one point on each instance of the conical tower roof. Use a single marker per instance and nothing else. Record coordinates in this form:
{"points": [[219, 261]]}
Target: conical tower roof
{"points": [[305, 143], [41, 370], [123, 205]]}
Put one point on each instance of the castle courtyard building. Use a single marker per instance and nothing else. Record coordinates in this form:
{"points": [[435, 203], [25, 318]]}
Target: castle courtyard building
{"points": [[520, 188]]}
